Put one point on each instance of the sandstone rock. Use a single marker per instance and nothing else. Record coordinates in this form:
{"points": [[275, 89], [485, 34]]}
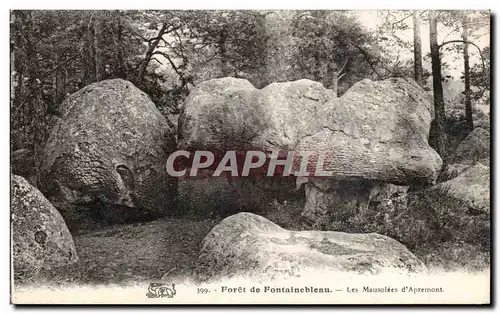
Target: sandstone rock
{"points": [[475, 147], [483, 122], [40, 237], [461, 205], [108, 153], [471, 186], [231, 114], [249, 245], [375, 133]]}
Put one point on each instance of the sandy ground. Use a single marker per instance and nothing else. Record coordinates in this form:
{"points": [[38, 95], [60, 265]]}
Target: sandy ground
{"points": [[167, 249], [134, 252]]}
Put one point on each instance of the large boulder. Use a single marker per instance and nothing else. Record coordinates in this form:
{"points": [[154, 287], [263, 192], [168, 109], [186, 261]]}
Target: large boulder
{"points": [[106, 156], [461, 206], [474, 148], [40, 237], [461, 199], [249, 245], [376, 133], [471, 186], [231, 114]]}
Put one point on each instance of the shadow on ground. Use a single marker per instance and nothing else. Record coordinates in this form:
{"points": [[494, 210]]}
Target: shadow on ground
{"points": [[135, 252]]}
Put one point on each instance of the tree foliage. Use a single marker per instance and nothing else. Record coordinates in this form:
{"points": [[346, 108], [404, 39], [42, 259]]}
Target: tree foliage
{"points": [[331, 41]]}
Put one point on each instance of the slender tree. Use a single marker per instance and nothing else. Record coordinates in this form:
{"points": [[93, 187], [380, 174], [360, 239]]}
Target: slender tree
{"points": [[417, 49], [29, 110], [395, 23], [121, 70], [439, 113], [98, 49], [467, 92], [60, 82], [223, 52], [469, 23]]}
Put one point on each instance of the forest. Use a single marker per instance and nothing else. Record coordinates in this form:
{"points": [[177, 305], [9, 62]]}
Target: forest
{"points": [[166, 53], [175, 56]]}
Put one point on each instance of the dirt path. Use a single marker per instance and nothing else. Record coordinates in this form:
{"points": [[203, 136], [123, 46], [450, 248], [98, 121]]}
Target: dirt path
{"points": [[135, 252]]}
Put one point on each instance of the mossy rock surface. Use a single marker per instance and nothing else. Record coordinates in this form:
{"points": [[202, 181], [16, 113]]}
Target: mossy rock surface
{"points": [[40, 237]]}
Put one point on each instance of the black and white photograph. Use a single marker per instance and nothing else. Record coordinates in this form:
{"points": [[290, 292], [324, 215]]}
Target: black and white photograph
{"points": [[256, 156]]}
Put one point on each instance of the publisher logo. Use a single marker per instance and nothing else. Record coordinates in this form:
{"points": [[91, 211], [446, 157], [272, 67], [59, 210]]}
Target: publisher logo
{"points": [[160, 290]]}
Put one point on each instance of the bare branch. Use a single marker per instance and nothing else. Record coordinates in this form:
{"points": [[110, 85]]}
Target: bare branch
{"points": [[469, 43], [459, 27], [44, 75], [481, 94], [367, 59], [154, 59], [151, 48], [138, 35], [161, 34], [344, 65], [439, 12], [172, 64], [391, 22], [402, 20]]}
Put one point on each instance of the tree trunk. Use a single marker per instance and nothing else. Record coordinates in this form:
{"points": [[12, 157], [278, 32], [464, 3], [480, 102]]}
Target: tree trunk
{"points": [[417, 47], [468, 103], [39, 108], [28, 114], [60, 85], [279, 49], [98, 56], [89, 52], [121, 66], [439, 113], [223, 53], [332, 76], [335, 84], [16, 83], [14, 86]]}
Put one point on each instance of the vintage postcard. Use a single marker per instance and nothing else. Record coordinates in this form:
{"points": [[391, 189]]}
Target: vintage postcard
{"points": [[250, 156]]}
